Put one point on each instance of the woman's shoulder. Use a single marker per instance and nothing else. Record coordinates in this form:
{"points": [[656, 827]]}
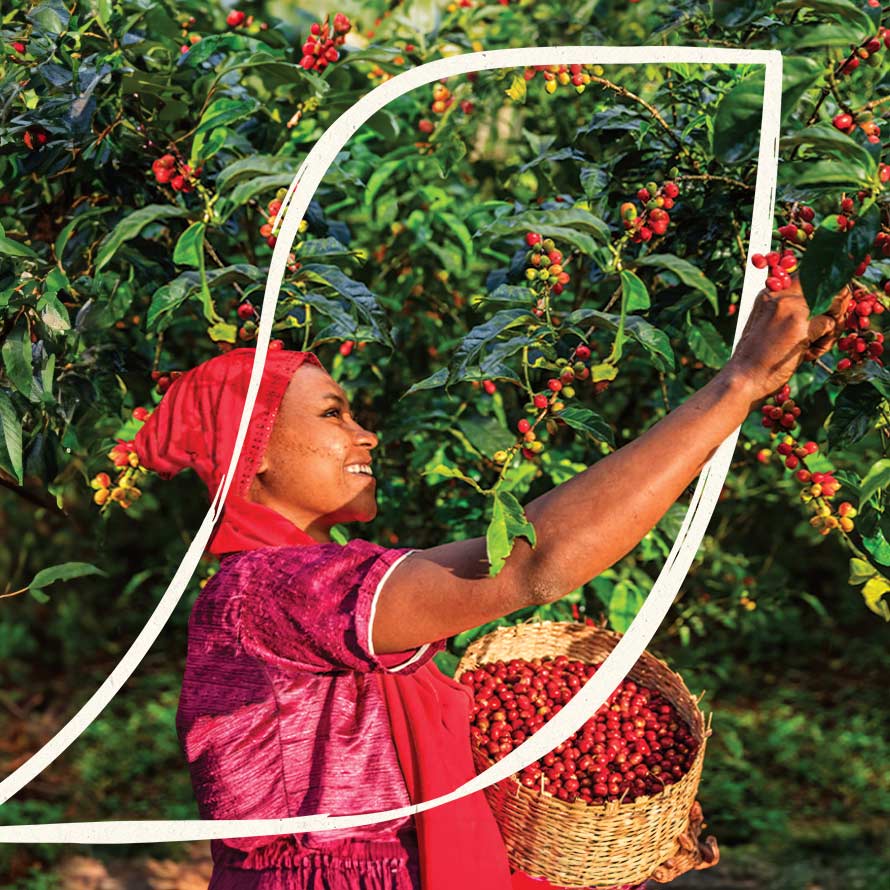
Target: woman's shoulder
{"points": [[290, 560]]}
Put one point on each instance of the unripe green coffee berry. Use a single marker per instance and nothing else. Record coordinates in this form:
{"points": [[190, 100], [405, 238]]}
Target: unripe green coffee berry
{"points": [[536, 446], [652, 187], [562, 362], [569, 392], [531, 274], [500, 457]]}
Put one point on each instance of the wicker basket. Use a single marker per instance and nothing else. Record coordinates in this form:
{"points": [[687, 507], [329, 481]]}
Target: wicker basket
{"points": [[576, 844]]}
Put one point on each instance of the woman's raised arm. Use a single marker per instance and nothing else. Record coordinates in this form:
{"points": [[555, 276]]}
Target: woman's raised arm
{"points": [[588, 523]]}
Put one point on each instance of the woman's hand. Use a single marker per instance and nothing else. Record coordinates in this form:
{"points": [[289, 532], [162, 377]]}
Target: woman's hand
{"points": [[780, 335], [693, 853]]}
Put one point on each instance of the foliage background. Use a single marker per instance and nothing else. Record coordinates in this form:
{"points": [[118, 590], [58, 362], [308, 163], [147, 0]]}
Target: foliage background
{"points": [[413, 240]]}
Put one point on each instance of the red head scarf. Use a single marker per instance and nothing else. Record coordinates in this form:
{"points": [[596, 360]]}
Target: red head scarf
{"points": [[196, 425]]}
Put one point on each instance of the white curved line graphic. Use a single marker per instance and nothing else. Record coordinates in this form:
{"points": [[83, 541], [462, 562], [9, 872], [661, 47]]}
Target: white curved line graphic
{"points": [[628, 651]]}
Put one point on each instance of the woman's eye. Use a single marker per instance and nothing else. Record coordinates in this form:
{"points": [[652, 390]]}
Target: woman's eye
{"points": [[332, 411]]}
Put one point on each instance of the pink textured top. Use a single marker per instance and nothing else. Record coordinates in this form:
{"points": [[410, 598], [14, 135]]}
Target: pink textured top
{"points": [[281, 715]]}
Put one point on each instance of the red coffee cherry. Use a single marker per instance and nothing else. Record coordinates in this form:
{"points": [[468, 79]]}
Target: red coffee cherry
{"points": [[235, 18]]}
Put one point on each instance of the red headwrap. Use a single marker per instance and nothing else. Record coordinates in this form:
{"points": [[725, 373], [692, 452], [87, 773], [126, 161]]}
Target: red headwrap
{"points": [[195, 426]]}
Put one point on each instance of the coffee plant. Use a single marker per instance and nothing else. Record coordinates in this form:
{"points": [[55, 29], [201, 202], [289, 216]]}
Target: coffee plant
{"points": [[513, 273]]}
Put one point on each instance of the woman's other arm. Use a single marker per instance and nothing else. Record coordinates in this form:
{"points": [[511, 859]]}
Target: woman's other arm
{"points": [[588, 523]]}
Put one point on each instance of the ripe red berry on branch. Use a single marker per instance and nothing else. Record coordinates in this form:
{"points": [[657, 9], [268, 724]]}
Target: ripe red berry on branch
{"points": [[320, 48], [235, 18]]}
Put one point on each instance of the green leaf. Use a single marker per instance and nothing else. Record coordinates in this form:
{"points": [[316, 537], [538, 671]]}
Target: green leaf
{"points": [[738, 13], [831, 141], [589, 422], [359, 298], [131, 225], [624, 603], [255, 165], [435, 380], [243, 192], [64, 572], [689, 274], [17, 358], [189, 249], [11, 439], [655, 341], [53, 312], [485, 433], [224, 111], [738, 117], [822, 36], [451, 473], [878, 546], [839, 10], [637, 295], [875, 480], [567, 225], [853, 415], [509, 293], [459, 230], [317, 248], [508, 522], [708, 345], [826, 176], [10, 247], [470, 350]]}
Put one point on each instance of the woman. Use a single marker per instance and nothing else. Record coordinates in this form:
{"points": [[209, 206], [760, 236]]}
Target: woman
{"points": [[309, 686]]}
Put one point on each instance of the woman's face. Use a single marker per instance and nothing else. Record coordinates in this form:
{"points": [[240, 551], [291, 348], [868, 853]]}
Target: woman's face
{"points": [[304, 473]]}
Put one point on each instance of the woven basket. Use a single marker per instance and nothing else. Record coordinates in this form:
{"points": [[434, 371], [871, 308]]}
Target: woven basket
{"points": [[576, 844]]}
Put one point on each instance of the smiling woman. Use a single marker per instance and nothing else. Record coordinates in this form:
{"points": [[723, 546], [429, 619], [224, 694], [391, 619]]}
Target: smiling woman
{"points": [[309, 684]]}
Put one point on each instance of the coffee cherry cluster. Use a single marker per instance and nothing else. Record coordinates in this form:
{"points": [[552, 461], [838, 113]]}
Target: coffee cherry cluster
{"points": [[178, 176], [800, 227], [320, 48], [549, 402], [861, 344], [124, 490], [654, 219], [779, 411], [163, 379], [236, 18], [556, 76], [545, 270], [634, 746], [781, 265], [868, 51], [780, 415], [846, 123]]}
